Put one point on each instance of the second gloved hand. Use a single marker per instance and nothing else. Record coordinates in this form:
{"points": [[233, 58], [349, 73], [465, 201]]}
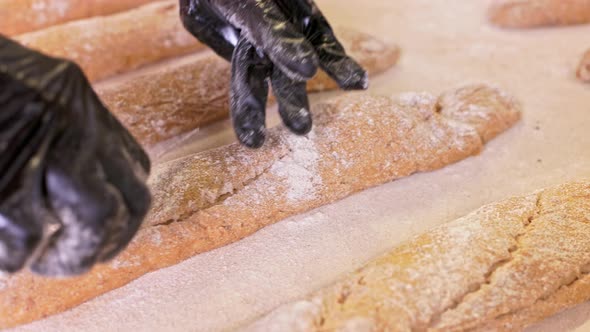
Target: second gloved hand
{"points": [[72, 179], [281, 40]]}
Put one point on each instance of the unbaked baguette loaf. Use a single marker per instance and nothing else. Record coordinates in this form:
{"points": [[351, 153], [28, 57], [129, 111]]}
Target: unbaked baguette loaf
{"points": [[107, 45], [20, 16], [537, 13], [500, 268], [584, 68], [210, 199], [160, 105]]}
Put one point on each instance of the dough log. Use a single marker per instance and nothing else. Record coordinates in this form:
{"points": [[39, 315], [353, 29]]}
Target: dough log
{"points": [[210, 199], [538, 13], [107, 45], [160, 105], [20, 16], [501, 268]]}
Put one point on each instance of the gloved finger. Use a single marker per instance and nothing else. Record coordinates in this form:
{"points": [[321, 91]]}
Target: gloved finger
{"points": [[26, 126], [209, 26], [18, 240], [127, 177], [332, 57], [293, 102], [249, 93], [26, 148], [267, 28], [23, 212], [346, 72], [21, 231], [126, 166], [85, 204]]}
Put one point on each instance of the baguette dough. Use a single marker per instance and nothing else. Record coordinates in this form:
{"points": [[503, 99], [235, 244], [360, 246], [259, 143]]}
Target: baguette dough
{"points": [[211, 199], [160, 105], [20, 16], [500, 268], [537, 13], [584, 68], [107, 45]]}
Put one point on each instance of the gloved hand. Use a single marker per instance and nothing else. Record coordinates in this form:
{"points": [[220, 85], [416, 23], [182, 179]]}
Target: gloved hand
{"points": [[284, 40], [72, 189]]}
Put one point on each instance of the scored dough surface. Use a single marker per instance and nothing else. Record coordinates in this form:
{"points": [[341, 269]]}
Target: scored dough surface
{"points": [[502, 267]]}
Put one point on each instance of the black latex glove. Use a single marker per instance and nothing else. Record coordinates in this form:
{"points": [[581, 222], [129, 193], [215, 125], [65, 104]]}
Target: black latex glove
{"points": [[284, 40], [72, 179]]}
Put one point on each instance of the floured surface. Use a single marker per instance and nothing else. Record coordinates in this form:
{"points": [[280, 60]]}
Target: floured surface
{"points": [[445, 43]]}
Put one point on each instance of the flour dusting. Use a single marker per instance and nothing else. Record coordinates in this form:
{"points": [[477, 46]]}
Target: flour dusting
{"points": [[415, 98], [299, 169], [44, 9]]}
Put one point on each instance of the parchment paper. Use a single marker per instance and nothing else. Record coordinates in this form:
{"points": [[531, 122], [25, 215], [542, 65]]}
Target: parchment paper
{"points": [[445, 43]]}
